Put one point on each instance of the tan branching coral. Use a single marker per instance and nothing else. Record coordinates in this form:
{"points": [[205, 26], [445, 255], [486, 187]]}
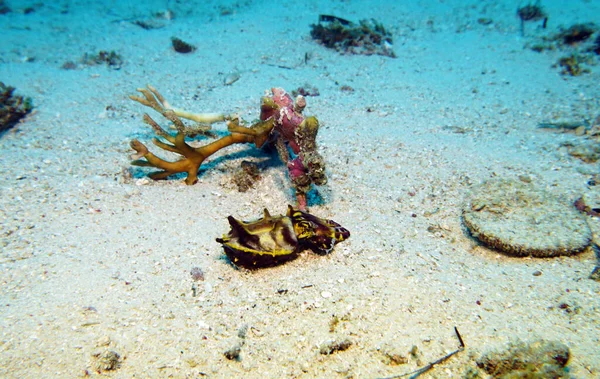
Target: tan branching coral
{"points": [[192, 157]]}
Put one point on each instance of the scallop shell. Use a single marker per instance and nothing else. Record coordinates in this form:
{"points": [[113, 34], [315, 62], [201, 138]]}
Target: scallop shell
{"points": [[231, 78]]}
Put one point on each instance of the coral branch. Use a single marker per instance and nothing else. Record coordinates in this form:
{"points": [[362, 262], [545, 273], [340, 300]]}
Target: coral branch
{"points": [[192, 157], [153, 99]]}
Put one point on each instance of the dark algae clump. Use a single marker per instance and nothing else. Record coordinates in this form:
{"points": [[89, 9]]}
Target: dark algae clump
{"points": [[246, 176], [368, 37], [532, 12], [181, 46], [12, 107], [571, 65], [4, 9], [577, 33], [579, 42], [110, 58]]}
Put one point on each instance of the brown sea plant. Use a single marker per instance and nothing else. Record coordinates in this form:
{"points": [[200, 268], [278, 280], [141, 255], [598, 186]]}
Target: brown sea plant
{"points": [[12, 107]]}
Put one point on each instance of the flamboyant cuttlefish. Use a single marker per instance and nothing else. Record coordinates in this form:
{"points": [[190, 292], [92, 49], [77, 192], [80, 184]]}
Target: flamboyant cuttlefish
{"points": [[270, 241]]}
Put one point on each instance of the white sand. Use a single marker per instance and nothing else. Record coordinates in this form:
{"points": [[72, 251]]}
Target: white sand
{"points": [[92, 261]]}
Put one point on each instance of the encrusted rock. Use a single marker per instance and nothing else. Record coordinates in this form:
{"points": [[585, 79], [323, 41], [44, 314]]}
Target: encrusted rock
{"points": [[519, 219], [107, 360]]}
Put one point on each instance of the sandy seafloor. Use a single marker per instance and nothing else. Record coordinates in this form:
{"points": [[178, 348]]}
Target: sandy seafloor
{"points": [[95, 257]]}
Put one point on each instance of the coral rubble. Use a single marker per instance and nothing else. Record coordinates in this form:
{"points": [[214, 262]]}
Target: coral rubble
{"points": [[12, 108], [111, 58], [368, 37]]}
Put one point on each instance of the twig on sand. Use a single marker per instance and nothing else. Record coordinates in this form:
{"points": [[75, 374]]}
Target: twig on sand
{"points": [[424, 369]]}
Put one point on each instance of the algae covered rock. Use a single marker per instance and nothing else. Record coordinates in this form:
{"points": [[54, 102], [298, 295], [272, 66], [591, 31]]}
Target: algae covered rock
{"points": [[519, 219], [12, 108], [368, 37], [539, 359]]}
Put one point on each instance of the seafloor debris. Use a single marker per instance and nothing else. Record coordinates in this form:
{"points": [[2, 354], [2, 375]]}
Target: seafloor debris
{"points": [[538, 359], [233, 353], [532, 12], [281, 122], [577, 37], [107, 360], [577, 33], [181, 46], [577, 43], [231, 78], [306, 90], [270, 241], [415, 353], [595, 274], [110, 58], [246, 176], [587, 151], [4, 9], [12, 107], [577, 127], [197, 274], [573, 65], [334, 346], [519, 219], [149, 24], [368, 37]]}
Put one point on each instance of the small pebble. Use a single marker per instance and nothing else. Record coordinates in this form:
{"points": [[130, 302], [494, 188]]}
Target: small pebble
{"points": [[335, 346], [326, 294], [197, 274], [103, 341], [233, 353], [142, 182], [580, 130], [231, 78], [537, 273], [525, 178], [107, 361]]}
